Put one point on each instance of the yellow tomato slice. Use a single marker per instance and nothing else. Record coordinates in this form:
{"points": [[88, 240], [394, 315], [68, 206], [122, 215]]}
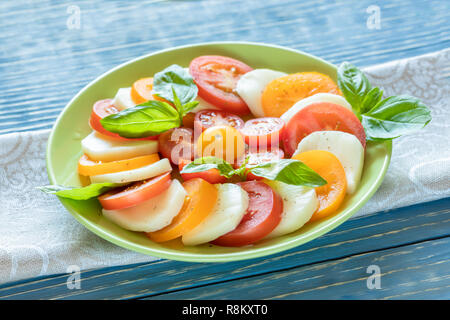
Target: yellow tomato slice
{"points": [[88, 167], [224, 142], [282, 93], [200, 200], [328, 166], [141, 90]]}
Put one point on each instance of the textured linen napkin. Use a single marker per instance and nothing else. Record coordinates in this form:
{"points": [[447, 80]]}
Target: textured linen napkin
{"points": [[38, 236]]}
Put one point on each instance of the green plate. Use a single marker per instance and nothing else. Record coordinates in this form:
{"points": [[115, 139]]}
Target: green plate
{"points": [[64, 150]]}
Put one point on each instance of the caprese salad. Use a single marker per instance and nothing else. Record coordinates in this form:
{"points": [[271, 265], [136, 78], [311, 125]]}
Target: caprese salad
{"points": [[226, 154]]}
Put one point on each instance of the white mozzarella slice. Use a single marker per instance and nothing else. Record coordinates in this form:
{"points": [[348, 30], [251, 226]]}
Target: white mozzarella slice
{"points": [[318, 97], [153, 214], [299, 204], [142, 173], [345, 146], [100, 147], [231, 206], [123, 100], [251, 86]]}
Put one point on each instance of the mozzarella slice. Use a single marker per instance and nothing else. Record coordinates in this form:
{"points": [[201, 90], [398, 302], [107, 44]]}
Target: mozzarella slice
{"points": [[145, 172], [318, 97], [153, 214], [231, 206], [251, 86], [345, 146], [299, 204], [100, 147], [123, 100]]}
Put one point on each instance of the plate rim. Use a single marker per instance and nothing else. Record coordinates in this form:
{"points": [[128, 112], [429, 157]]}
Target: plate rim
{"points": [[214, 257]]}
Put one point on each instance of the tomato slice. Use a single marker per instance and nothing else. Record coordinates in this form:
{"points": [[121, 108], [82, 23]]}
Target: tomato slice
{"points": [[263, 215], [259, 156], [141, 90], [320, 116], [200, 200], [88, 167], [212, 175], [103, 108], [216, 78], [136, 193], [263, 132], [176, 144], [209, 118], [328, 166]]}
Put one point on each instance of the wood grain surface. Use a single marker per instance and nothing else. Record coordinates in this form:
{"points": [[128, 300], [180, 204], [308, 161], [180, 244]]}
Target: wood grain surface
{"points": [[44, 63]]}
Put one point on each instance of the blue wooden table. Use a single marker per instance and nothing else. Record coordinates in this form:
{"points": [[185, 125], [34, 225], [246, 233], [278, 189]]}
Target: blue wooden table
{"points": [[49, 50]]}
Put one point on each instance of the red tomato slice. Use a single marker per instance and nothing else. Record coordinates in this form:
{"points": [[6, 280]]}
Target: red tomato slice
{"points": [[216, 78], [263, 215], [259, 156], [320, 116], [212, 175], [103, 108], [176, 144], [262, 132], [136, 193], [210, 118]]}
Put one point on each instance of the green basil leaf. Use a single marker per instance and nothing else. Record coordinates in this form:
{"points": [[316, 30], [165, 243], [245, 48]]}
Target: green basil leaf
{"points": [[353, 84], [395, 116], [207, 163], [289, 171], [83, 193], [371, 99], [180, 80], [147, 119], [189, 106]]}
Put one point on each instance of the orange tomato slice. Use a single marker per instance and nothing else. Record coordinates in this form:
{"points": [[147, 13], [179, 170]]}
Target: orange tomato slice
{"points": [[141, 90], [332, 194], [200, 200], [282, 93], [88, 167]]}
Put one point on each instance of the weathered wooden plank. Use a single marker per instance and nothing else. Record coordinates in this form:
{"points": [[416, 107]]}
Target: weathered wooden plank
{"points": [[419, 271], [43, 63], [375, 232]]}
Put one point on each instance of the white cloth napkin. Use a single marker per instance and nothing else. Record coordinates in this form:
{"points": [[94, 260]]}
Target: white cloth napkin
{"points": [[38, 236]]}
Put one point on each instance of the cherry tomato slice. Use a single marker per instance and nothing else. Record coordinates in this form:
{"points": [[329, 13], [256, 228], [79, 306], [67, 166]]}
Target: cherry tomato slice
{"points": [[103, 108], [136, 193], [212, 175], [176, 144], [259, 156], [320, 116], [210, 118], [262, 132], [263, 215], [216, 78]]}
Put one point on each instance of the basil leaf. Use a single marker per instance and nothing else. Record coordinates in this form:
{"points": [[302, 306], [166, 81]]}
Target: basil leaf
{"points": [[395, 116], [189, 106], [147, 119], [353, 84], [207, 163], [177, 78], [371, 99], [84, 193], [289, 171]]}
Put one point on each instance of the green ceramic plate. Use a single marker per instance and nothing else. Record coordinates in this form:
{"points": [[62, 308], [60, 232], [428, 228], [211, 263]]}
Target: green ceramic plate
{"points": [[71, 127]]}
